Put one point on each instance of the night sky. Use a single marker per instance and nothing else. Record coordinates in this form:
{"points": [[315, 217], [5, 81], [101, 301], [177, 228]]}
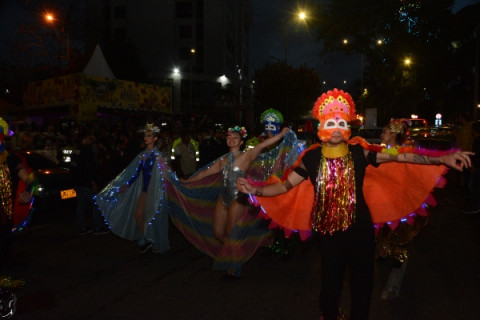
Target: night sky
{"points": [[267, 39], [268, 43]]}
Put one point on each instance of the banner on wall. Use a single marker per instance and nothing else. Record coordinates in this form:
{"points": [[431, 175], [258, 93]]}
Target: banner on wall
{"points": [[85, 93]]}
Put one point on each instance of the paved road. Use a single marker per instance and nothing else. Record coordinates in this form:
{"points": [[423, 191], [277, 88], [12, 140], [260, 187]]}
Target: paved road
{"points": [[104, 277]]}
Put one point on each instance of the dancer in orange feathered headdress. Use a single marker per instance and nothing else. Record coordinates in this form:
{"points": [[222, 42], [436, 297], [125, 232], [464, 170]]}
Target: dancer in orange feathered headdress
{"points": [[324, 193]]}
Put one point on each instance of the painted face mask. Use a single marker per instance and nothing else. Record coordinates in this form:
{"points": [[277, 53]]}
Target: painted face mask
{"points": [[334, 109], [326, 129], [272, 120]]}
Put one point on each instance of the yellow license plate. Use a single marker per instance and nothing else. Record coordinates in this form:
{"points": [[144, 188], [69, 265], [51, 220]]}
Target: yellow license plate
{"points": [[67, 194]]}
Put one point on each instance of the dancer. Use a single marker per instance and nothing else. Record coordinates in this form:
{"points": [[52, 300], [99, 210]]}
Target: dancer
{"points": [[11, 172], [272, 121], [209, 199], [392, 238], [231, 204], [340, 215], [134, 203]]}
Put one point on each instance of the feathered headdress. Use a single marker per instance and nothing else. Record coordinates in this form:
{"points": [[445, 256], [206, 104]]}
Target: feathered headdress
{"points": [[271, 115], [397, 126], [3, 133], [151, 127], [3, 129], [334, 104]]}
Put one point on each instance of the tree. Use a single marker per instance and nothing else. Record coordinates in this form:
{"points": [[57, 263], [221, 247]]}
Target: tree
{"points": [[419, 30], [287, 89], [46, 39]]}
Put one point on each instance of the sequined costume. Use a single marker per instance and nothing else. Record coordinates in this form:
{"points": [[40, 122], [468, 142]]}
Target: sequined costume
{"points": [[147, 173], [334, 203], [230, 174], [192, 207], [6, 210]]}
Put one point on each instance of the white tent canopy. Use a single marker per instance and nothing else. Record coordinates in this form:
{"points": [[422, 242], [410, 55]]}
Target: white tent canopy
{"points": [[98, 66]]}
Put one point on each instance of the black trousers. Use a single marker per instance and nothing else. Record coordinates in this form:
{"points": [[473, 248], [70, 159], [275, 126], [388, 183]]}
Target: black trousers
{"points": [[5, 244], [355, 249]]}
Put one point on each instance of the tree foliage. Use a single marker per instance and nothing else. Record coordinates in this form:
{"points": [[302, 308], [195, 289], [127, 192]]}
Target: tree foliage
{"points": [[419, 30], [287, 89]]}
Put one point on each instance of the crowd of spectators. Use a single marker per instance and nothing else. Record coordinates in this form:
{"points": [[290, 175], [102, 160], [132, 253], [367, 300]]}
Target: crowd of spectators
{"points": [[114, 144]]}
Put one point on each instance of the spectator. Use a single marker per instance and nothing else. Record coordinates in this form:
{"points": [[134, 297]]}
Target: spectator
{"points": [[185, 156], [474, 203], [84, 169], [464, 141], [12, 171]]}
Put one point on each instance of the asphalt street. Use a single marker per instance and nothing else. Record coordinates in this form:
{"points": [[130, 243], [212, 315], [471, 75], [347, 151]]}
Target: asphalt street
{"points": [[104, 277]]}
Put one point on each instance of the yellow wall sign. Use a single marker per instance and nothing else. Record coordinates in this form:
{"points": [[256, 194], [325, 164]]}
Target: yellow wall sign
{"points": [[87, 93]]}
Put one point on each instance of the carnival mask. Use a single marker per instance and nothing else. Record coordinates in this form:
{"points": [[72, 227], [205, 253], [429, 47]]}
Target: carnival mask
{"points": [[334, 109], [272, 120]]}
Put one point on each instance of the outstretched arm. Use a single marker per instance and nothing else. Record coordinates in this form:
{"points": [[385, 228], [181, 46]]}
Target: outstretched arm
{"points": [[214, 168], [253, 153], [272, 189], [456, 160]]}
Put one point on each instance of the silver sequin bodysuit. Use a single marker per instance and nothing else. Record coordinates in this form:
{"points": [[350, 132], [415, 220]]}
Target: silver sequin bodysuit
{"points": [[230, 174]]}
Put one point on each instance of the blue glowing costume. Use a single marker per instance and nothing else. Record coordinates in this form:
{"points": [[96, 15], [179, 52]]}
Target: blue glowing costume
{"points": [[147, 173]]}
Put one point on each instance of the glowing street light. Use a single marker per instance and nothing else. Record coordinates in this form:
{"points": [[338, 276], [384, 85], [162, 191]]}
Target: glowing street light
{"points": [[301, 16], [52, 20], [407, 61], [49, 17]]}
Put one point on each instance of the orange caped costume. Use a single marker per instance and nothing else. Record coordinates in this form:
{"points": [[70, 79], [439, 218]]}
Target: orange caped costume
{"points": [[394, 192]]}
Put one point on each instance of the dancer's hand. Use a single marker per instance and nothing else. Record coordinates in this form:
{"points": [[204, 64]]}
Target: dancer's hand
{"points": [[284, 131], [244, 186], [457, 160]]}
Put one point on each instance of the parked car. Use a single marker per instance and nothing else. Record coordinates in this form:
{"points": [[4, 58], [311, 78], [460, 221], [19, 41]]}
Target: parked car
{"points": [[371, 134], [55, 186], [440, 138]]}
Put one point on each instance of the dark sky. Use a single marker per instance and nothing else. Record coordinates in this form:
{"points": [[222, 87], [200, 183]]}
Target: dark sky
{"points": [[268, 42], [268, 38]]}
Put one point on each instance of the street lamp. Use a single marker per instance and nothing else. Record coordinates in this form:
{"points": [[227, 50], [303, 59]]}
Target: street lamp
{"points": [[301, 17], [192, 56], [52, 20]]}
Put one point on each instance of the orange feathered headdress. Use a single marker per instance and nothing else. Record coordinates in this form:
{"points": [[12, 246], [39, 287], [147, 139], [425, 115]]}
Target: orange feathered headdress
{"points": [[334, 104]]}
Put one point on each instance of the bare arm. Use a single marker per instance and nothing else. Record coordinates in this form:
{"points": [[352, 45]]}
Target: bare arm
{"points": [[24, 196], [214, 168], [456, 160], [253, 153], [274, 189]]}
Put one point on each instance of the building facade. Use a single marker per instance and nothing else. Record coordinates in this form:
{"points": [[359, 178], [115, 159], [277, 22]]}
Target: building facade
{"points": [[199, 47]]}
